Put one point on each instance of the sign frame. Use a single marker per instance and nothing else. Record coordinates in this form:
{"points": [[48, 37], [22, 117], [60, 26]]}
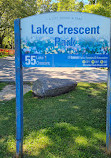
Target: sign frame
{"points": [[19, 94]]}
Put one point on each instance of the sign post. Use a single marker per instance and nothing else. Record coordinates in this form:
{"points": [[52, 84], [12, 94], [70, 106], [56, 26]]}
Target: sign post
{"points": [[108, 111], [61, 39], [19, 90]]}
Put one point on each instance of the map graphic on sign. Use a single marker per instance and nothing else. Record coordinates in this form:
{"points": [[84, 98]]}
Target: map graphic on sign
{"points": [[65, 39]]}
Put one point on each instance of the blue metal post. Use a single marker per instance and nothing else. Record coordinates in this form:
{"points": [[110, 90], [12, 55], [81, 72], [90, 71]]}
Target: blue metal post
{"points": [[19, 90], [108, 112]]}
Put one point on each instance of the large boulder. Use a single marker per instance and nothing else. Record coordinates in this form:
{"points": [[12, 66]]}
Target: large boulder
{"points": [[52, 87]]}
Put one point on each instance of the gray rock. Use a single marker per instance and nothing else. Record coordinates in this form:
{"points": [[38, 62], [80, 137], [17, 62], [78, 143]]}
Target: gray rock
{"points": [[52, 87]]}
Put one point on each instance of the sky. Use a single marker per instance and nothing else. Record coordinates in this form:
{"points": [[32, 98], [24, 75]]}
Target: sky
{"points": [[85, 1]]}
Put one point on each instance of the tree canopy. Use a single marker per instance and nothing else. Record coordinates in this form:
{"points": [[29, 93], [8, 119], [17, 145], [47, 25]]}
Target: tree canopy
{"points": [[100, 7], [10, 10]]}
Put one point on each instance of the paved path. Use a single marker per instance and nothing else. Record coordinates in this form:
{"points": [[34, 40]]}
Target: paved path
{"points": [[7, 72], [9, 91]]}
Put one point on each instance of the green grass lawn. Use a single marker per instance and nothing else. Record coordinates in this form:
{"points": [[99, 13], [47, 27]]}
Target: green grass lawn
{"points": [[2, 85], [72, 125], [2, 56]]}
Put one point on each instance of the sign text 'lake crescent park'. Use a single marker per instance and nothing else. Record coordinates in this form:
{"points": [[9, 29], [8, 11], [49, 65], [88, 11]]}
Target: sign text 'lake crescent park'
{"points": [[65, 39]]}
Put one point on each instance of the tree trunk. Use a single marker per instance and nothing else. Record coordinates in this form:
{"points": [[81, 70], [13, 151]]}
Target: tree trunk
{"points": [[1, 41]]}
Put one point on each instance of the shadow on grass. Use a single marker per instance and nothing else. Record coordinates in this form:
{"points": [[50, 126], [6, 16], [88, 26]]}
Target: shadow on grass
{"points": [[67, 126]]}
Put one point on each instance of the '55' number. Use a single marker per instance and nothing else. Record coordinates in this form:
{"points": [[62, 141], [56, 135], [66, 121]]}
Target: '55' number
{"points": [[30, 60]]}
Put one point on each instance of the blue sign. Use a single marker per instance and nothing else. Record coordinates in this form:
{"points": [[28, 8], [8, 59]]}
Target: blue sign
{"points": [[64, 60], [65, 39], [61, 39]]}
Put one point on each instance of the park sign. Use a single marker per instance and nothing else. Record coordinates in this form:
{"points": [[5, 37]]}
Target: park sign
{"points": [[61, 39], [65, 39]]}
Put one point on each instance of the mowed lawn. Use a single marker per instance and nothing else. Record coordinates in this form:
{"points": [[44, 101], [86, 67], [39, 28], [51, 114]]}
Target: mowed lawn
{"points": [[72, 125]]}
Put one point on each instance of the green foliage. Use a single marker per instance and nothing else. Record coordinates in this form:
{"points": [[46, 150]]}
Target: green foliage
{"points": [[67, 126], [104, 2], [66, 5], [98, 9], [69, 5], [92, 1], [43, 6], [11, 10], [54, 6]]}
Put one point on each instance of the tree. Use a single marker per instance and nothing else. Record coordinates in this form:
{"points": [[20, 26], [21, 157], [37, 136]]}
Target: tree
{"points": [[11, 10], [100, 8], [54, 6], [43, 6], [92, 1], [69, 5]]}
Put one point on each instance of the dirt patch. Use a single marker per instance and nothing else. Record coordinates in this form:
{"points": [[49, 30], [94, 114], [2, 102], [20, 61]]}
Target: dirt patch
{"points": [[9, 91]]}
